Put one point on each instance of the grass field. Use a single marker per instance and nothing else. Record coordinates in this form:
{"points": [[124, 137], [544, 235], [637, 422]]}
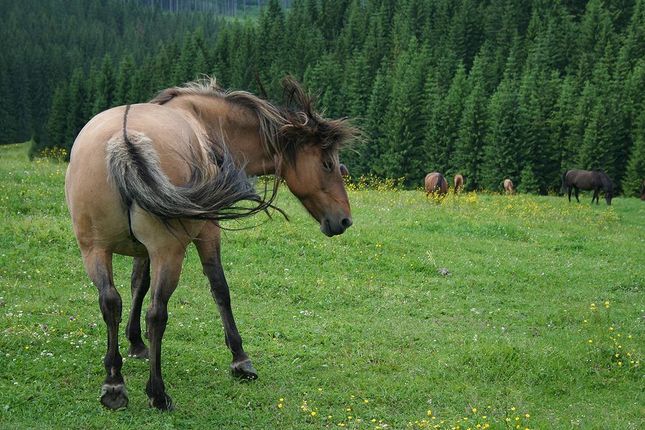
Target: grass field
{"points": [[484, 311]]}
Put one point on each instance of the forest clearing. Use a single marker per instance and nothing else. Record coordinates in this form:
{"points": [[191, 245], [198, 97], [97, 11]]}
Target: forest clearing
{"points": [[481, 310]]}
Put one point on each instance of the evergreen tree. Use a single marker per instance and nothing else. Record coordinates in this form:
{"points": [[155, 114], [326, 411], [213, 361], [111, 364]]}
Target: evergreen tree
{"points": [[528, 180], [124, 85], [561, 123], [271, 29], [374, 149], [103, 87], [76, 109], [325, 76], [403, 125], [595, 32], [503, 145], [635, 174], [304, 41], [56, 129], [468, 154], [443, 125]]}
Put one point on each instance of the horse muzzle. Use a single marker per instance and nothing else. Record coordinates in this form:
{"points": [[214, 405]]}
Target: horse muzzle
{"points": [[333, 227]]}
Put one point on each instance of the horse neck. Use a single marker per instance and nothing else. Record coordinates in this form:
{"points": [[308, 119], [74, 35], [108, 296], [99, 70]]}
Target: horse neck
{"points": [[239, 129]]}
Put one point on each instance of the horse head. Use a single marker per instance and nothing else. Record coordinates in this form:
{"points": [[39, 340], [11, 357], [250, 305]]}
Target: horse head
{"points": [[608, 186], [310, 165]]}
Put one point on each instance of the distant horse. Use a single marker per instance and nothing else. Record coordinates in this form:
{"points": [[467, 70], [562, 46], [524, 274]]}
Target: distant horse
{"points": [[436, 184], [147, 180], [459, 183], [643, 190], [508, 186], [595, 180], [343, 170]]}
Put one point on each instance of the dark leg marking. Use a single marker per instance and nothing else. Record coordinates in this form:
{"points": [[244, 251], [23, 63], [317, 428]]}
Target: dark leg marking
{"points": [[140, 284]]}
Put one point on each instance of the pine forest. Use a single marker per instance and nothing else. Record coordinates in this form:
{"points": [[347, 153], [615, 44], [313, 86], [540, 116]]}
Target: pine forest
{"points": [[491, 89]]}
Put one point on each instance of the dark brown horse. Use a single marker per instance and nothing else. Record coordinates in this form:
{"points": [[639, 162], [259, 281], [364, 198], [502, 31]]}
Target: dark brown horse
{"points": [[508, 186], [343, 170], [459, 183], [435, 184], [643, 190], [596, 180], [147, 180]]}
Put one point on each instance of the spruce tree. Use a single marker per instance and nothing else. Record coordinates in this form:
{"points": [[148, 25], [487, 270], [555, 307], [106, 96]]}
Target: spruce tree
{"points": [[561, 124], [124, 85], [373, 151], [403, 123], [76, 110], [468, 154], [324, 78], [56, 129], [443, 125], [503, 145], [635, 173], [103, 87]]}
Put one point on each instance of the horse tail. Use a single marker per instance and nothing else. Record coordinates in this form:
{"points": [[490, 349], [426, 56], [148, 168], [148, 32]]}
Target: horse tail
{"points": [[214, 188]]}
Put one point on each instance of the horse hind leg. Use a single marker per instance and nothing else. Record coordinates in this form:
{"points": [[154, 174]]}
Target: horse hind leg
{"points": [[98, 265], [208, 247], [576, 190], [166, 267], [139, 286]]}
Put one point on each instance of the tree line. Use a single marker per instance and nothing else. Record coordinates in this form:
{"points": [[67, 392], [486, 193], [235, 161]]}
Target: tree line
{"points": [[490, 89]]}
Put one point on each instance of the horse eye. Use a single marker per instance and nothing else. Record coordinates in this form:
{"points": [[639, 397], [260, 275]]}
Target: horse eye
{"points": [[328, 166]]}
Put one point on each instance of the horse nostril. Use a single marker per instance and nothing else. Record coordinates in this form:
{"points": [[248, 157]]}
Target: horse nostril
{"points": [[346, 222]]}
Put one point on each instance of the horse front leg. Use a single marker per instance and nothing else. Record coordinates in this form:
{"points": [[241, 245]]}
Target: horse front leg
{"points": [[569, 189], [98, 264], [576, 192], [596, 193], [208, 247], [166, 267], [139, 286]]}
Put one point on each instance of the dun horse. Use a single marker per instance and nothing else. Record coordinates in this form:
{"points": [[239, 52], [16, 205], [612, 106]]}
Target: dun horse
{"points": [[436, 184], [595, 180], [147, 180], [459, 183], [508, 186]]}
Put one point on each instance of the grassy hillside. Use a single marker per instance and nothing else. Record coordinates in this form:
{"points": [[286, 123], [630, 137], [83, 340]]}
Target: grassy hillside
{"points": [[491, 310]]}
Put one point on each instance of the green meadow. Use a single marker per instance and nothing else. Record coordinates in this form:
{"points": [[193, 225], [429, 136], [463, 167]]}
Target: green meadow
{"points": [[479, 311]]}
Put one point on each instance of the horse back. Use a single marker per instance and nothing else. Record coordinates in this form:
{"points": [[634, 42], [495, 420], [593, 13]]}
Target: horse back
{"points": [[585, 179]]}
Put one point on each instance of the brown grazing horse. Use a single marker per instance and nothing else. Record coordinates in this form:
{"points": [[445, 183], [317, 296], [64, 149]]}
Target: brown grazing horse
{"points": [[643, 190], [508, 186], [343, 170], [595, 180], [128, 162], [459, 183], [436, 184]]}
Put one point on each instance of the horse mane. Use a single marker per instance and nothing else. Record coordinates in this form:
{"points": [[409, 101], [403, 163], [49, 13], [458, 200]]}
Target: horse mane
{"points": [[283, 130]]}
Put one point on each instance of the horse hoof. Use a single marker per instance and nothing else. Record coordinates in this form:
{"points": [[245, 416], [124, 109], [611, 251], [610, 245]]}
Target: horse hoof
{"points": [[163, 404], [140, 352], [114, 396], [244, 370]]}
